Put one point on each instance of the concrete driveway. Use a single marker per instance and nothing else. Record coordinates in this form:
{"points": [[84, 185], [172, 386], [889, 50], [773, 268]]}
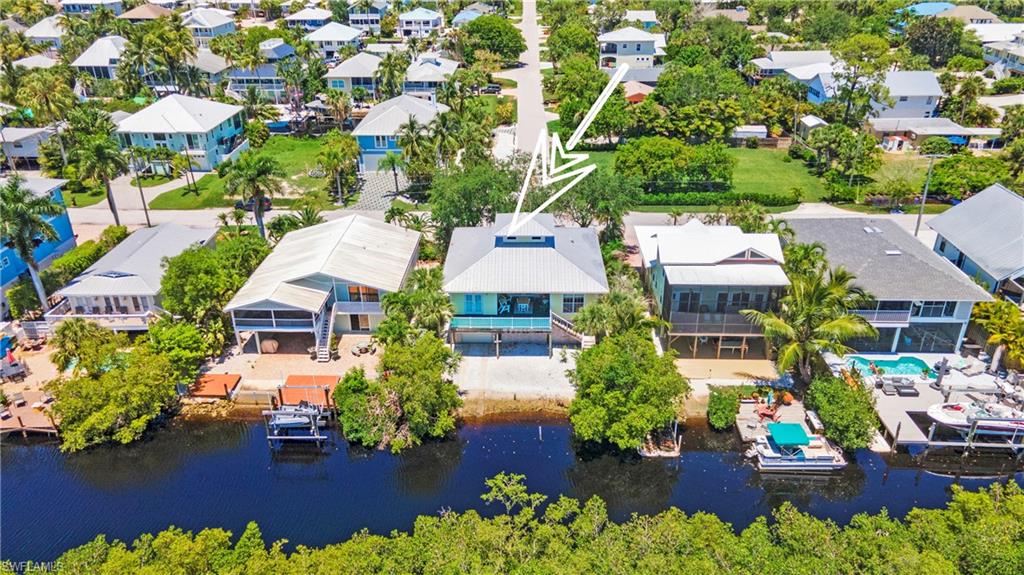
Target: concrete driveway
{"points": [[530, 117]]}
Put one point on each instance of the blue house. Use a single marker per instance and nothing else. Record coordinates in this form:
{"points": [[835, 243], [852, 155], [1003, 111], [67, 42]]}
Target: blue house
{"points": [[377, 133], [11, 265], [87, 7], [368, 19], [265, 77]]}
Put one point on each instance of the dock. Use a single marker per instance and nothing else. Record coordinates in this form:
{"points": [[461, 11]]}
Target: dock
{"points": [[751, 426], [305, 420], [27, 412]]}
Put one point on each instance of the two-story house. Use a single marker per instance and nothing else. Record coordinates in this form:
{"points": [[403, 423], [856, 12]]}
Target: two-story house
{"points": [[777, 62], [12, 267], [646, 18], [355, 72], [330, 38], [308, 18], [205, 24], [419, 23], [47, 32], [912, 94], [87, 7], [428, 73], [367, 19], [377, 133], [702, 276], [1009, 55], [264, 77], [325, 279], [21, 146], [121, 291], [921, 302], [523, 286], [984, 237], [100, 59], [629, 45], [209, 132]]}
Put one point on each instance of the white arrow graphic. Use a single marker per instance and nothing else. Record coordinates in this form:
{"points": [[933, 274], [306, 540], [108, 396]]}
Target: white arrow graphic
{"points": [[556, 160]]}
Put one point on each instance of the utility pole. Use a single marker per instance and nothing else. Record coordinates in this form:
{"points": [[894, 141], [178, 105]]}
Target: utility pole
{"points": [[927, 182]]}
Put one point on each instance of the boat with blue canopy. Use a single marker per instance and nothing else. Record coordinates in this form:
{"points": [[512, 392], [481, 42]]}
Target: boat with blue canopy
{"points": [[787, 447]]}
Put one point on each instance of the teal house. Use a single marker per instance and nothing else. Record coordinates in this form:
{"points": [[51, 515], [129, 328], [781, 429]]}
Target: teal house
{"points": [[378, 132], [12, 267]]}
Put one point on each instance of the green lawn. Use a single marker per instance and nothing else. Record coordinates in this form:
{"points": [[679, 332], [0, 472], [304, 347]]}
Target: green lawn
{"points": [[763, 170], [505, 82], [296, 156], [84, 198], [492, 101], [908, 209], [150, 181], [706, 209]]}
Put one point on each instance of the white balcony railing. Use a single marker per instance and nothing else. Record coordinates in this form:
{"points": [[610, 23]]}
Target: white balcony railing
{"points": [[884, 316], [110, 319]]}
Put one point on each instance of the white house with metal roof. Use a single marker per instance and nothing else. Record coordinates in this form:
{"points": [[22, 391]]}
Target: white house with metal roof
{"points": [[21, 145], [701, 276], [324, 279], [308, 18], [524, 286], [206, 24], [984, 237], [912, 94], [121, 291], [100, 59], [427, 73], [377, 133], [922, 303], [419, 23], [209, 132], [646, 18], [356, 72], [47, 31], [629, 45], [777, 62], [87, 7], [332, 37]]}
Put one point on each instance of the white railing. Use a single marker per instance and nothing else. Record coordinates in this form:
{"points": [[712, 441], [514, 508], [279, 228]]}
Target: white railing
{"points": [[359, 307], [884, 315], [110, 320]]}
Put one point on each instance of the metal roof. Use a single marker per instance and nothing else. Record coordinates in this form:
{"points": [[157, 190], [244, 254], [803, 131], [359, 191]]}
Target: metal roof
{"points": [[430, 68], [567, 260], [206, 18], [102, 52], [177, 113], [640, 16], [989, 228], [362, 65], [38, 186], [209, 62], [15, 134], [48, 27], [354, 249], [135, 266], [419, 14], [998, 32], [727, 275], [627, 34], [913, 83], [309, 14], [386, 118], [943, 126], [890, 264], [36, 61], [695, 243], [784, 59], [334, 31], [642, 75]]}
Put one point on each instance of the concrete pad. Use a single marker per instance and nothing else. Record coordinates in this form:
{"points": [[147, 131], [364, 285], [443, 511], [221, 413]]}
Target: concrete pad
{"points": [[523, 372], [738, 370]]}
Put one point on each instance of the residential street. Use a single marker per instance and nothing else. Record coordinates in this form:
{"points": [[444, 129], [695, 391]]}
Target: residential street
{"points": [[531, 116]]}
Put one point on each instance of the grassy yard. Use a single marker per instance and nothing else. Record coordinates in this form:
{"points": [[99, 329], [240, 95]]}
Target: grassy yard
{"points": [[296, 155], [85, 198], [505, 82], [491, 103], [150, 181]]}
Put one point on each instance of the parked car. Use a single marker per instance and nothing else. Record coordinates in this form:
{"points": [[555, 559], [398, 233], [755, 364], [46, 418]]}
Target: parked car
{"points": [[491, 89], [250, 204]]}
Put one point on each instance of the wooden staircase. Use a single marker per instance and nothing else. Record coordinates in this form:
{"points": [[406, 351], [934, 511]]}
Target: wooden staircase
{"points": [[323, 338], [566, 325]]}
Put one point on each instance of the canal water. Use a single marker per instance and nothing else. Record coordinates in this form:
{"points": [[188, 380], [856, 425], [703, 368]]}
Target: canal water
{"points": [[222, 474]]}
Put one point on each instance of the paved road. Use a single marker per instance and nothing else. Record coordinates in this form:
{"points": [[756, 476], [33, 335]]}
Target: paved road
{"points": [[530, 117]]}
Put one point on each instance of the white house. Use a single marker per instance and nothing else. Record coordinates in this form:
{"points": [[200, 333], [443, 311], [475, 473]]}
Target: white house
{"points": [[100, 59], [777, 62], [35, 61], [121, 291], [367, 19], [355, 72], [21, 145], [912, 94], [209, 132], [1002, 32], [87, 7], [646, 18], [419, 23], [332, 37], [47, 31], [308, 18], [1009, 55], [629, 45], [324, 279], [428, 73], [206, 24]]}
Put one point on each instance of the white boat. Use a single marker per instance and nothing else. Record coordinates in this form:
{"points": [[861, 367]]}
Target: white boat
{"points": [[992, 418], [301, 416], [787, 448]]}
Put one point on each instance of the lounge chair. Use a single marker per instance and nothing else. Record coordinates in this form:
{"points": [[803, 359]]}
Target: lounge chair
{"points": [[18, 399], [975, 368]]}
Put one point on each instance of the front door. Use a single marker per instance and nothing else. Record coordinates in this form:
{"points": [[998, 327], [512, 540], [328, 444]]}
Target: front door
{"points": [[360, 322]]}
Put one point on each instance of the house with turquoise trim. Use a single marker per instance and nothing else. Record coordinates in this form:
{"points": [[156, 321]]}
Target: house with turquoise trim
{"points": [[12, 267], [419, 23], [205, 24], [308, 18], [208, 132], [522, 285], [377, 133]]}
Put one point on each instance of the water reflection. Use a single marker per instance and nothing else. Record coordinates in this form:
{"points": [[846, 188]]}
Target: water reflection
{"points": [[427, 469], [803, 490], [625, 481]]}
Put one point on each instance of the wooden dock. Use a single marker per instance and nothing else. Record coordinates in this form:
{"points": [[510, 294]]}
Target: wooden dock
{"points": [[27, 412], [751, 426]]}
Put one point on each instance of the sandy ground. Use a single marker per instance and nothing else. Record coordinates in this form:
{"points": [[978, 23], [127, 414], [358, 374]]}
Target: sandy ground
{"points": [[39, 367], [524, 372], [259, 371]]}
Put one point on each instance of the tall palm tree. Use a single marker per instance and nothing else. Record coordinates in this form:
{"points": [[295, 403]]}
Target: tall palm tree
{"points": [[1004, 325], [338, 153], [256, 107], [412, 138], [139, 51], [394, 162], [813, 318], [390, 74], [804, 259], [99, 158], [50, 98], [24, 225], [255, 177], [970, 89], [339, 105], [13, 46], [444, 135], [27, 12]]}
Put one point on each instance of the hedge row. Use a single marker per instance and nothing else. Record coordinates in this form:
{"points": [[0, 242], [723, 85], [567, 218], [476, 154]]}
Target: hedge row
{"points": [[717, 199]]}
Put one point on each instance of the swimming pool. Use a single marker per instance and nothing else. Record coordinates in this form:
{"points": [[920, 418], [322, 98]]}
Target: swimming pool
{"points": [[904, 365]]}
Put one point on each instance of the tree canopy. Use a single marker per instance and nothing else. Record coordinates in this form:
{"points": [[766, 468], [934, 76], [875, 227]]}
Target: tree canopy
{"points": [[494, 34]]}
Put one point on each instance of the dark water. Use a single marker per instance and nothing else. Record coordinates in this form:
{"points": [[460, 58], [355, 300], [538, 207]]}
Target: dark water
{"points": [[196, 475]]}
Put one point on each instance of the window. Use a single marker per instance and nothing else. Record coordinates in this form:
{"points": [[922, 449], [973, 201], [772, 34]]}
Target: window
{"points": [[193, 140], [942, 245], [4, 262], [473, 303], [363, 294], [903, 98], [935, 309], [360, 322], [572, 302], [740, 299], [638, 47], [159, 137], [135, 303], [380, 141], [686, 302]]}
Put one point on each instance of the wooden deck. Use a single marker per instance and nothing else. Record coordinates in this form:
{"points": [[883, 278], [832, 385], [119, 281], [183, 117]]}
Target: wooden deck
{"points": [[751, 426], [29, 417]]}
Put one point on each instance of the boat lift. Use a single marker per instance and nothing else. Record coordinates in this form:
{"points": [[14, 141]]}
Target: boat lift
{"points": [[307, 418]]}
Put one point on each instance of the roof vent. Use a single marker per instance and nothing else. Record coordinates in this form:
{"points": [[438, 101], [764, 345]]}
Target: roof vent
{"points": [[115, 274], [893, 253]]}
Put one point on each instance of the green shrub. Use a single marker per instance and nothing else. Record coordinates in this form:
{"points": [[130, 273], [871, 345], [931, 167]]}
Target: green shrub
{"points": [[718, 199], [847, 412], [1012, 85], [751, 143], [723, 405]]}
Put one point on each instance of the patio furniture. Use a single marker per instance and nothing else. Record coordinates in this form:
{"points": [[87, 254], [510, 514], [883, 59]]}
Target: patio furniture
{"points": [[5, 414], [907, 391], [18, 399]]}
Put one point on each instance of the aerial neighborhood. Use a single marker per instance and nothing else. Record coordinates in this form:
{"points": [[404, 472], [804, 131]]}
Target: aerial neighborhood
{"points": [[584, 255]]}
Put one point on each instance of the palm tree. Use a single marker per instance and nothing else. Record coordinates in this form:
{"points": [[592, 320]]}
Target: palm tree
{"points": [[1004, 324], [444, 135], [390, 74], [255, 177], [339, 105], [813, 318], [14, 46], [238, 218], [138, 55], [619, 311], [67, 342], [970, 89], [394, 162], [412, 139], [99, 158], [339, 153], [50, 98], [256, 107], [674, 214], [804, 259], [396, 213], [24, 225]]}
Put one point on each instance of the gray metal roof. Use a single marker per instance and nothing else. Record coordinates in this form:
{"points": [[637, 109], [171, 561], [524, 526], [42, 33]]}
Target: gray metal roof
{"points": [[387, 117], [569, 262], [135, 266], [912, 83], [37, 186], [890, 264], [643, 75], [989, 228]]}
